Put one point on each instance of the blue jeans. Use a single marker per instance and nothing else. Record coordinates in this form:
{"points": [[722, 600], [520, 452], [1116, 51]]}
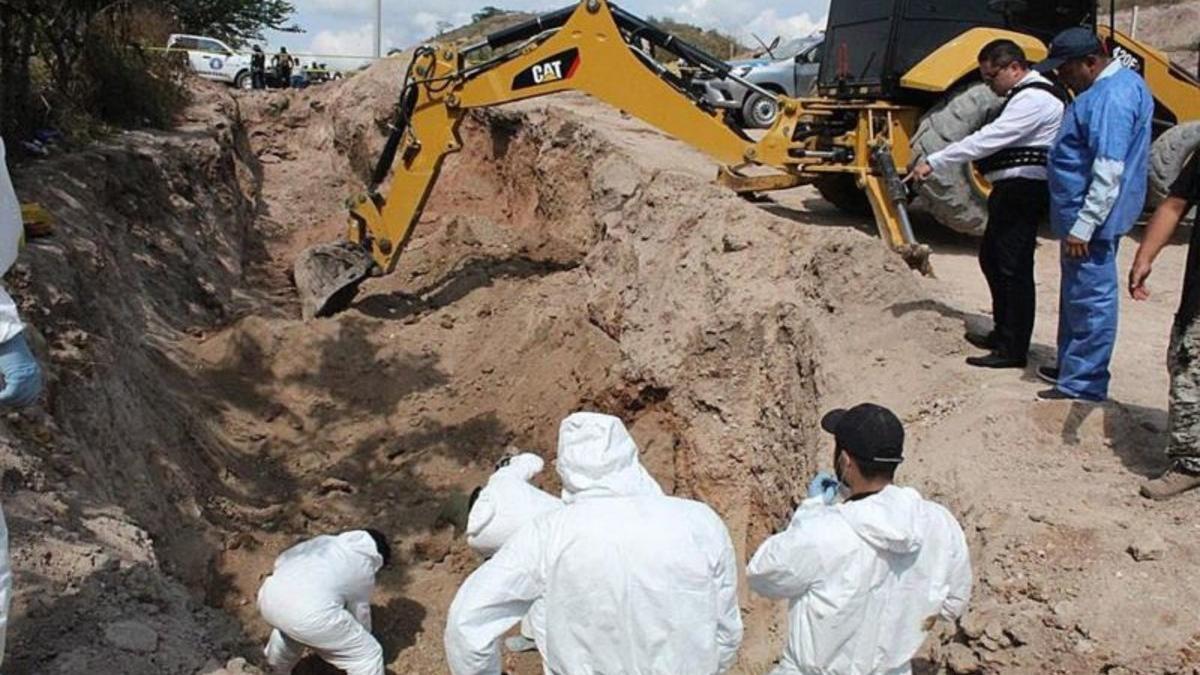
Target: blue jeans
{"points": [[1087, 320], [21, 372]]}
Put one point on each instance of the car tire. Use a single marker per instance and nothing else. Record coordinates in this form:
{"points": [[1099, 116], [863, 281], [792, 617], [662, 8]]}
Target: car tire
{"points": [[1168, 155], [243, 81], [841, 190], [759, 111], [951, 196]]}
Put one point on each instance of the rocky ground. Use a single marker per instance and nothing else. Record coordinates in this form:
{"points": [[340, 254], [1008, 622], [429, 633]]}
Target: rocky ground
{"points": [[568, 258], [1173, 28]]}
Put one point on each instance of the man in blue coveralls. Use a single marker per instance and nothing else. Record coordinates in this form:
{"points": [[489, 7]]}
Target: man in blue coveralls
{"points": [[1097, 178]]}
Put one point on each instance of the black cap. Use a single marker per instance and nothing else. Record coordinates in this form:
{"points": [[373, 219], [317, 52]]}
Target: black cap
{"points": [[1072, 43], [868, 432]]}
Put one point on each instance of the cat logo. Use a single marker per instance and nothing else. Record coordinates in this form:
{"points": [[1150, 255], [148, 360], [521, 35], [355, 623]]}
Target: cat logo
{"points": [[561, 66], [547, 72]]}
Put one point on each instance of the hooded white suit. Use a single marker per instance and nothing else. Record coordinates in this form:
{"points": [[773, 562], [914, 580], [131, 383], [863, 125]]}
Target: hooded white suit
{"points": [[5, 585], [20, 370], [863, 580], [633, 582], [319, 596]]}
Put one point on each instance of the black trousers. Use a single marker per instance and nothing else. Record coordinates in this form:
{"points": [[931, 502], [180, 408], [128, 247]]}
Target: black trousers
{"points": [[1015, 208]]}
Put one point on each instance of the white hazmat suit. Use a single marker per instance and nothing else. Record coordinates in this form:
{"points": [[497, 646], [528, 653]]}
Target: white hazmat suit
{"points": [[634, 582], [865, 580], [11, 230], [20, 370], [5, 585], [319, 596], [506, 504]]}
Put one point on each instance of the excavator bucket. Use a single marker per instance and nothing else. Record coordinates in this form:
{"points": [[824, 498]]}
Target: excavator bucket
{"points": [[327, 277]]}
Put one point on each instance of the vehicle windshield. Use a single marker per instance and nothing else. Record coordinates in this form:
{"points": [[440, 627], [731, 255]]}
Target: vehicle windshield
{"points": [[789, 49]]}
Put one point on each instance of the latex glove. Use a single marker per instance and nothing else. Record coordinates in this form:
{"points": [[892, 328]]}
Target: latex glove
{"points": [[824, 485], [22, 374]]}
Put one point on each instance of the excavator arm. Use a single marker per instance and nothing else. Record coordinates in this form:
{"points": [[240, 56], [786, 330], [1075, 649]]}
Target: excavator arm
{"points": [[596, 48]]}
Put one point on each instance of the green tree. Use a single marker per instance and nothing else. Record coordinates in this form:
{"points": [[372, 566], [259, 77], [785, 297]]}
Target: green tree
{"points": [[486, 13], [234, 21]]}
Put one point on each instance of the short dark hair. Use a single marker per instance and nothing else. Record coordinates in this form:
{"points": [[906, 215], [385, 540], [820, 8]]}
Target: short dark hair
{"points": [[381, 545], [876, 470], [1003, 53]]}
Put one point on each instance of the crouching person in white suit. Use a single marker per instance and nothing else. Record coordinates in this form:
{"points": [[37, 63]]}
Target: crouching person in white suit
{"points": [[498, 510], [319, 597], [867, 578]]}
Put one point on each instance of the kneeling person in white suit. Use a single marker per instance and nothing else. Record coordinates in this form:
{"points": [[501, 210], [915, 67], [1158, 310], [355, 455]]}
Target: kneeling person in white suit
{"points": [[498, 511], [319, 597]]}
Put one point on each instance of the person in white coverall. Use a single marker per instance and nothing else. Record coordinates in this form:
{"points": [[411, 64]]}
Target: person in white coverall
{"points": [[498, 510], [634, 582], [20, 370], [319, 597], [5, 584], [866, 578]]}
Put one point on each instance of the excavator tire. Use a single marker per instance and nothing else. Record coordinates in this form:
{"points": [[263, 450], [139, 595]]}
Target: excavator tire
{"points": [[841, 190], [327, 277], [1168, 155], [951, 197]]}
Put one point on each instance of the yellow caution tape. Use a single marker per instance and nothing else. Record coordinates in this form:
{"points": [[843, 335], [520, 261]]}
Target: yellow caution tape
{"points": [[265, 53]]}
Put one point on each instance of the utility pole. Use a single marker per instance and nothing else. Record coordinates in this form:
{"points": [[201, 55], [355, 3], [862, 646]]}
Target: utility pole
{"points": [[378, 28]]}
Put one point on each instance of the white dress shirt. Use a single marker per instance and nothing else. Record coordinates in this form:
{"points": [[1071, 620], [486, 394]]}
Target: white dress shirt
{"points": [[1031, 119]]}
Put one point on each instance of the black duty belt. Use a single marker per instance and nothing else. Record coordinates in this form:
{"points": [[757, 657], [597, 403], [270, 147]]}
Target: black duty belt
{"points": [[1011, 158]]}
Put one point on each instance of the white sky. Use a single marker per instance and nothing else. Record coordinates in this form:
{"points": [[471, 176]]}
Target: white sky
{"points": [[346, 27]]}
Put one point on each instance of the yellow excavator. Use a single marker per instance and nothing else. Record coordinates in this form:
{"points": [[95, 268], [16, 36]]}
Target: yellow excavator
{"points": [[897, 80]]}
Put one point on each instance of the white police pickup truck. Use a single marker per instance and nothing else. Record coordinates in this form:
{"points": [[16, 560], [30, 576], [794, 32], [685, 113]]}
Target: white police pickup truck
{"points": [[214, 60]]}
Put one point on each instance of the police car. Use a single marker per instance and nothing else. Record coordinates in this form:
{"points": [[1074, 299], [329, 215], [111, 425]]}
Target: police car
{"points": [[213, 60]]}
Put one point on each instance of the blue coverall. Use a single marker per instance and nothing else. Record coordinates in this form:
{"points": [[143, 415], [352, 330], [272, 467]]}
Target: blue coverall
{"points": [[1097, 179]]}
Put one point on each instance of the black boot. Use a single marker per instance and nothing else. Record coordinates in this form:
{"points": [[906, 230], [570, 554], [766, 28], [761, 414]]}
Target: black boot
{"points": [[987, 341], [1048, 374], [995, 360]]}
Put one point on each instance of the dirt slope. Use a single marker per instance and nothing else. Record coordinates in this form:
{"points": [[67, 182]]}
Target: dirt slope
{"points": [[1173, 28]]}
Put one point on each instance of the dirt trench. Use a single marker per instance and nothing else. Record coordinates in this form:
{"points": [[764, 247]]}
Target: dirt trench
{"points": [[549, 274], [195, 428]]}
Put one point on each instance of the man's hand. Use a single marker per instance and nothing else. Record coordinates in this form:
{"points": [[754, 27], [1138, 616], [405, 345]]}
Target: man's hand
{"points": [[920, 172], [1138, 273], [1076, 247]]}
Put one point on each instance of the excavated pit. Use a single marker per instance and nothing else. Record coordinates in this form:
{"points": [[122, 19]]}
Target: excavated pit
{"points": [[549, 274], [196, 428], [568, 258]]}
